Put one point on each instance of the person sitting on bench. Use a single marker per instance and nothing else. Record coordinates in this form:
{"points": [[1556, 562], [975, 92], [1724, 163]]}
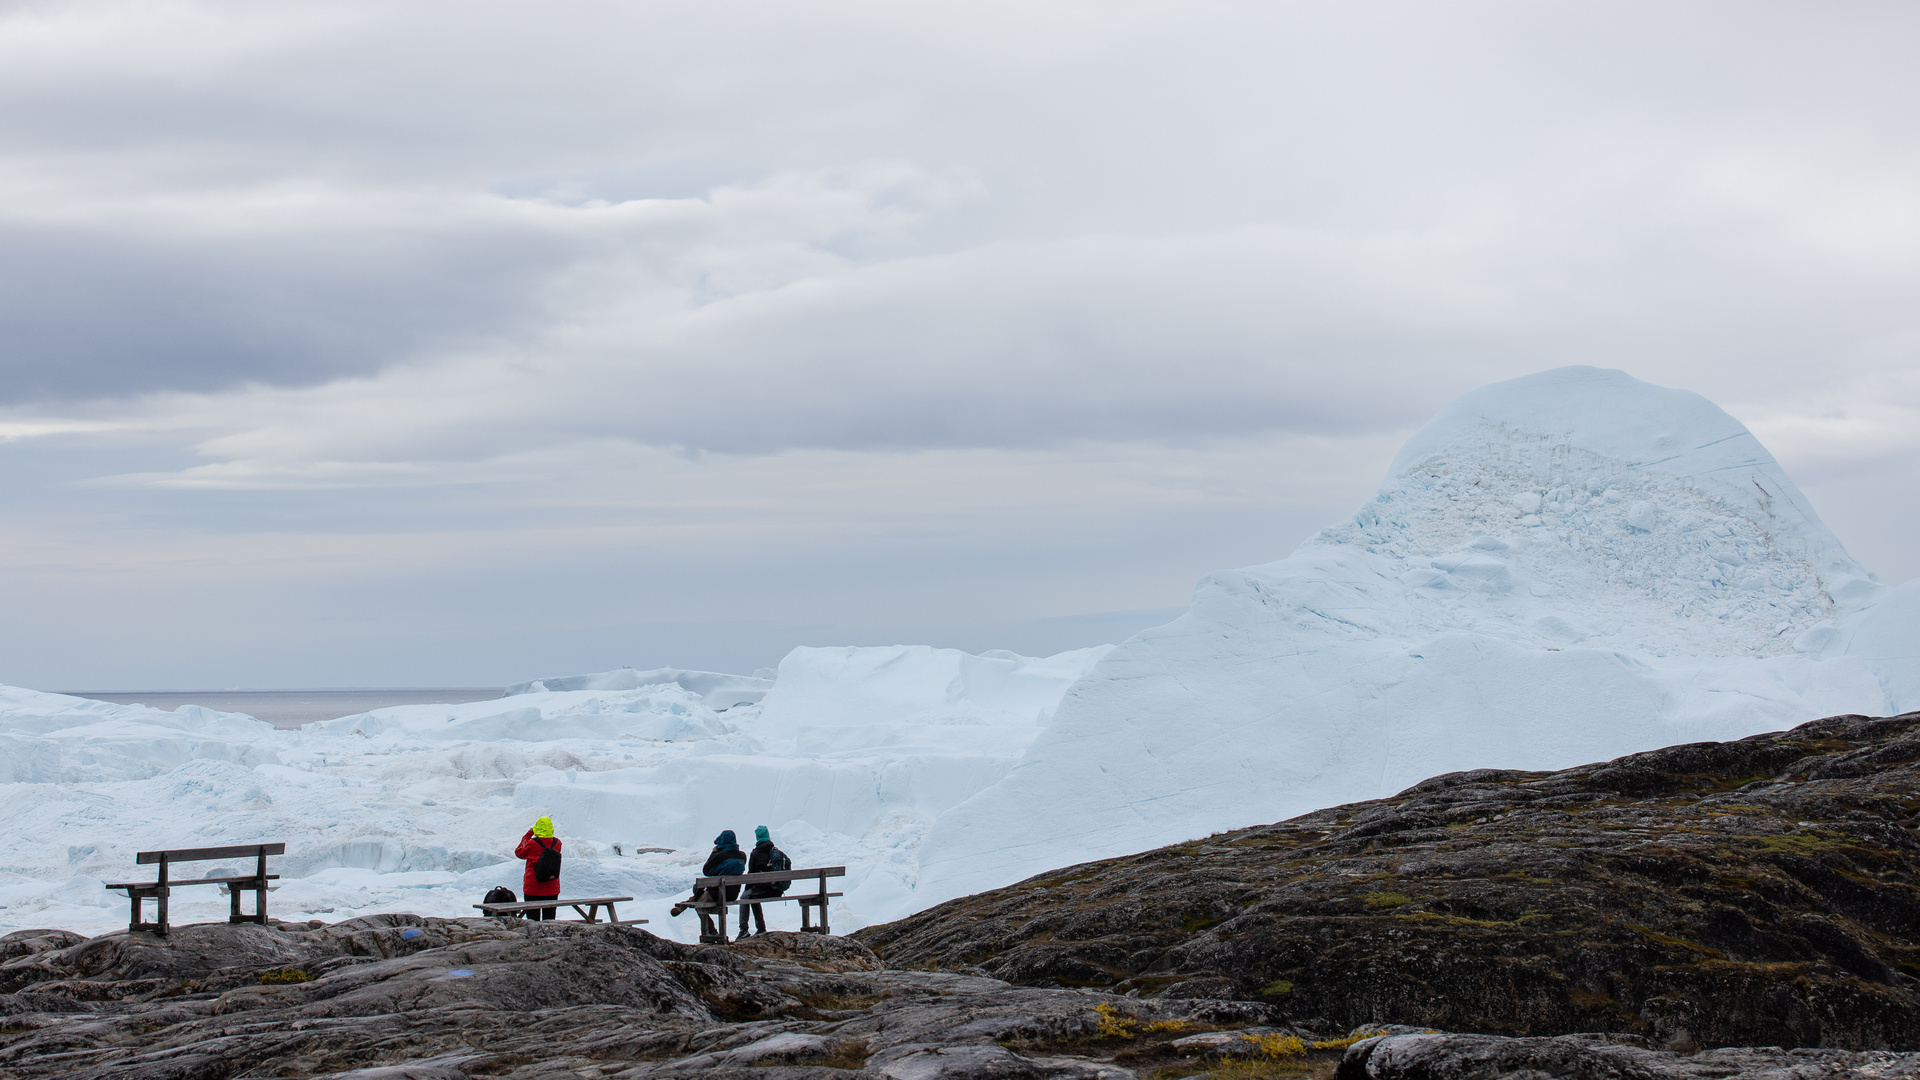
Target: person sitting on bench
{"points": [[541, 849], [727, 860], [764, 858]]}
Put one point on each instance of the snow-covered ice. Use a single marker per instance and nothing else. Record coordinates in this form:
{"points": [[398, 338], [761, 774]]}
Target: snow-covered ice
{"points": [[848, 755], [1557, 569]]}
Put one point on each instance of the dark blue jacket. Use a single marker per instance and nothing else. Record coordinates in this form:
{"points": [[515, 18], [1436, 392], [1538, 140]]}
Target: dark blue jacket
{"points": [[727, 859]]}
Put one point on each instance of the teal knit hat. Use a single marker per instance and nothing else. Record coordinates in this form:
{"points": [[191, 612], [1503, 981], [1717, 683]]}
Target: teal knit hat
{"points": [[760, 833]]}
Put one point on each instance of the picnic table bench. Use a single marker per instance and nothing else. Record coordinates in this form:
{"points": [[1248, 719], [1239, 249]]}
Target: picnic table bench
{"points": [[709, 895], [588, 907], [159, 890]]}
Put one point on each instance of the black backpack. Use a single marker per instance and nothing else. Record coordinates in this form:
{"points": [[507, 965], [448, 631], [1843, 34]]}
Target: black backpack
{"points": [[500, 894], [777, 860], [547, 866]]}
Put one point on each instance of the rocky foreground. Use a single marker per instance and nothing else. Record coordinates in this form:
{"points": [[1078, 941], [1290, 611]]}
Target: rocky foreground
{"points": [[399, 997], [1738, 897], [441, 999]]}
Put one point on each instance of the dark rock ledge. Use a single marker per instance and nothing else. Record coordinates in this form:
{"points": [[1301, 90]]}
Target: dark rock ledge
{"points": [[1764, 892], [401, 996]]}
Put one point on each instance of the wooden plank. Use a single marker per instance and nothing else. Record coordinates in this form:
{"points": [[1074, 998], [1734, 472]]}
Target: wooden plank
{"points": [[195, 881], [772, 875], [805, 897], [203, 854], [528, 905]]}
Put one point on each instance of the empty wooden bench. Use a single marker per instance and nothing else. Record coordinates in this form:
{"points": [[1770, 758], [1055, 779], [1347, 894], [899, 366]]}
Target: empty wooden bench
{"points": [[256, 882], [588, 907], [710, 890]]}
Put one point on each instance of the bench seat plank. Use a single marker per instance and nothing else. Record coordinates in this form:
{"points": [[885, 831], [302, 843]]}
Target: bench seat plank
{"points": [[805, 898], [171, 882], [520, 905]]}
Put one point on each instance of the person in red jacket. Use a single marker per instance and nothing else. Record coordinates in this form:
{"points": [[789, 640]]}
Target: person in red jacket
{"points": [[538, 841]]}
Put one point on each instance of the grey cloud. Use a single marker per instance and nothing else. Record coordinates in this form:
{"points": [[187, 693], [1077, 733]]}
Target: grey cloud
{"points": [[93, 315], [1113, 339], [1583, 148]]}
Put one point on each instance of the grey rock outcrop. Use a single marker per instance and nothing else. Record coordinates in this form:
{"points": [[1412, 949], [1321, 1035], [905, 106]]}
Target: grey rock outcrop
{"points": [[399, 997], [1438, 1056], [1758, 892]]}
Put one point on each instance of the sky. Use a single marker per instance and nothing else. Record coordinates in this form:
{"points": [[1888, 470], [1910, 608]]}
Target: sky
{"points": [[440, 344]]}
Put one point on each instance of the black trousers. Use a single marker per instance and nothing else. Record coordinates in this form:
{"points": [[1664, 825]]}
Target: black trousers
{"points": [[537, 914], [759, 917]]}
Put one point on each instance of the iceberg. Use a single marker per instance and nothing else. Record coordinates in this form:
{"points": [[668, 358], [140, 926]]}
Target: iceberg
{"points": [[1557, 569]]}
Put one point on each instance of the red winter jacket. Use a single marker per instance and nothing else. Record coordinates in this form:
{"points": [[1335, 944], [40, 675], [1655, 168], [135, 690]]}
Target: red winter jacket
{"points": [[530, 848]]}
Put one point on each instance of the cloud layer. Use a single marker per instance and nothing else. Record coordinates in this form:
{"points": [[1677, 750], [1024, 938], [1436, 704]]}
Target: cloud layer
{"points": [[282, 270]]}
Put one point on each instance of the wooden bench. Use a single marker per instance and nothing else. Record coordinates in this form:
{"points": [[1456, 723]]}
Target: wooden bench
{"points": [[588, 907], [159, 890], [709, 890]]}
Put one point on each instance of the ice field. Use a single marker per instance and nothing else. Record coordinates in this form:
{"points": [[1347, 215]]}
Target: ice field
{"points": [[1556, 569], [848, 754]]}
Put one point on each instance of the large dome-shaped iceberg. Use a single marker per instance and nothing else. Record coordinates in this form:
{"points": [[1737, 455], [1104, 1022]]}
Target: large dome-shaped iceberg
{"points": [[1557, 569]]}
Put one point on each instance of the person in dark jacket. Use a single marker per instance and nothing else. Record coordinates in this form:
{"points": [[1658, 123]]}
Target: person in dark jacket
{"points": [[726, 860], [762, 859], [538, 841]]}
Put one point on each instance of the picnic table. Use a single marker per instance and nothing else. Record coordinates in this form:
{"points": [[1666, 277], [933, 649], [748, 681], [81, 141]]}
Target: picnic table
{"points": [[159, 890], [588, 907], [709, 895]]}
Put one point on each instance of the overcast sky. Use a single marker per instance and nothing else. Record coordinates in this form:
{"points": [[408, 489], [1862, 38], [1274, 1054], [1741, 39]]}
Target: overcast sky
{"points": [[455, 344]]}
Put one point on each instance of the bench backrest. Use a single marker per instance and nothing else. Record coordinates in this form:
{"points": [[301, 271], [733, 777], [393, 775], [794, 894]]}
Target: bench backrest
{"points": [[204, 854], [771, 875]]}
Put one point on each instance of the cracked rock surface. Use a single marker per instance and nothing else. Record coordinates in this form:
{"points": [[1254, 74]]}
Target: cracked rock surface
{"points": [[1603, 1057], [399, 997], [1758, 892]]}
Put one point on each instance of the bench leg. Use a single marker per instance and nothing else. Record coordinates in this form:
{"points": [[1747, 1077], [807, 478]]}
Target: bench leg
{"points": [[260, 894], [139, 898], [259, 903], [161, 892], [716, 896]]}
